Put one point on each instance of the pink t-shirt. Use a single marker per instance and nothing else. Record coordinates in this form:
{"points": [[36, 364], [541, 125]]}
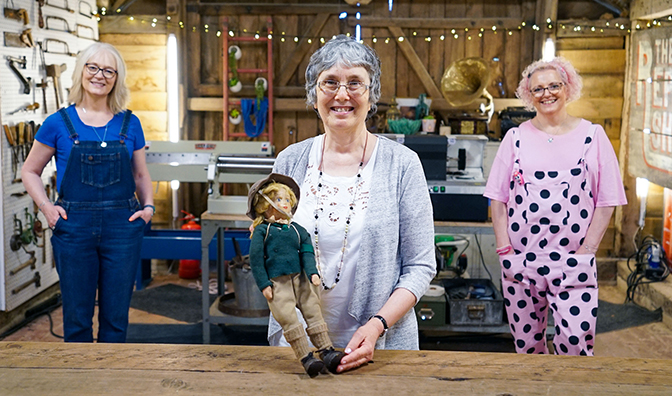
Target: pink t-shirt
{"points": [[536, 153]]}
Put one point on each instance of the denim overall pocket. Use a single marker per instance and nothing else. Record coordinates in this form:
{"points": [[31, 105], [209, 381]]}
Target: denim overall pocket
{"points": [[100, 170]]}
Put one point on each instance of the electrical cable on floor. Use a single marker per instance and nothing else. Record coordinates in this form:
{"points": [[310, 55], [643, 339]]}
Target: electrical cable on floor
{"points": [[482, 259], [43, 309], [651, 266]]}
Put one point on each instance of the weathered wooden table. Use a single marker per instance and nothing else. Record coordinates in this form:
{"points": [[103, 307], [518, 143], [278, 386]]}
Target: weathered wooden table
{"points": [[28, 368]]}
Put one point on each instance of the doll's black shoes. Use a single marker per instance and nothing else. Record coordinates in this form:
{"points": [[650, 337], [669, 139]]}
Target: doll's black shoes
{"points": [[312, 365], [331, 358]]}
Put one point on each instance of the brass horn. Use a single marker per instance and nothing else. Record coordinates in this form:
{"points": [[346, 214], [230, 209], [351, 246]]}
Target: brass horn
{"points": [[465, 81]]}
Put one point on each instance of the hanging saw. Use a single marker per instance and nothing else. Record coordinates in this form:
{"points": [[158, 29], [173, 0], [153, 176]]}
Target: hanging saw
{"points": [[57, 47], [58, 24], [22, 64], [60, 7], [87, 10]]}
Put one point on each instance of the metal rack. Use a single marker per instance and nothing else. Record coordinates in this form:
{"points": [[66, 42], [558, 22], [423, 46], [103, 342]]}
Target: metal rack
{"points": [[268, 70]]}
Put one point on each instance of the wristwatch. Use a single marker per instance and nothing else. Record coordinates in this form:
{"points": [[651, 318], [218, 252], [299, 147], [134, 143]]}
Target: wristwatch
{"points": [[385, 328]]}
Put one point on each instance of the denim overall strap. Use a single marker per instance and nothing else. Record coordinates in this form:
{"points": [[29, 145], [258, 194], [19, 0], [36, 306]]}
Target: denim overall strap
{"points": [[68, 124], [124, 125]]}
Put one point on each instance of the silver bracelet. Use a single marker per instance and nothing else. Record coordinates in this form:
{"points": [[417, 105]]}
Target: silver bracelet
{"points": [[39, 207]]}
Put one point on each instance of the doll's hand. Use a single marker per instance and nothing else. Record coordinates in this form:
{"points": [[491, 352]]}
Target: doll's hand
{"points": [[315, 279], [268, 293]]}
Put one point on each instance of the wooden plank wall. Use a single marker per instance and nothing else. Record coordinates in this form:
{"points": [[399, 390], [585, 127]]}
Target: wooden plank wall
{"points": [[398, 76], [145, 57], [601, 63]]}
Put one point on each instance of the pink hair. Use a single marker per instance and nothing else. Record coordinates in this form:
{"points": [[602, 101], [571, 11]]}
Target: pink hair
{"points": [[570, 77]]}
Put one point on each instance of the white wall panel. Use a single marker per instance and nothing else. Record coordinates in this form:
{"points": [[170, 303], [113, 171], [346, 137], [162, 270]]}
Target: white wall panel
{"points": [[14, 201]]}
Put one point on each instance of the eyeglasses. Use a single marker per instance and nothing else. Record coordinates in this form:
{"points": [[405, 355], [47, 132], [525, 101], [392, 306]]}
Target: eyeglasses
{"points": [[553, 89], [93, 70], [354, 88]]}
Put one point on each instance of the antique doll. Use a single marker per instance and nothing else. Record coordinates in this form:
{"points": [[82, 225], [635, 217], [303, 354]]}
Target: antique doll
{"points": [[283, 265]]}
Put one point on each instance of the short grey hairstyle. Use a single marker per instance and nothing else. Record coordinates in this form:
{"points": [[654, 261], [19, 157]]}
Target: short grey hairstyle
{"points": [[345, 51], [118, 98]]}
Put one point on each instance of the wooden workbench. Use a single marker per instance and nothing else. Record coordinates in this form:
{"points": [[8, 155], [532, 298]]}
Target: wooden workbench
{"points": [[28, 368]]}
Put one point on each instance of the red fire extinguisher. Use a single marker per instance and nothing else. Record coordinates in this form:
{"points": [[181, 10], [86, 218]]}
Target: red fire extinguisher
{"points": [[189, 269]]}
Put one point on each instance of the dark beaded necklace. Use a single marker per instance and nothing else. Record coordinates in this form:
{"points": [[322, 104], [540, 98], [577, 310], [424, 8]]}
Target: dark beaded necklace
{"points": [[318, 210]]}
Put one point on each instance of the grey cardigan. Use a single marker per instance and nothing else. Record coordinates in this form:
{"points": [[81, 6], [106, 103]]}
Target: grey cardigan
{"points": [[397, 248]]}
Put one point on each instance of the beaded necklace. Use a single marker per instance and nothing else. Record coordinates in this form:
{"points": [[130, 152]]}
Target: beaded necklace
{"points": [[355, 192]]}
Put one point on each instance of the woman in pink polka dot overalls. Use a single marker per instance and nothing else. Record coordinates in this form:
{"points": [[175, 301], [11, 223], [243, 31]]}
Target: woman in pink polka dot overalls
{"points": [[553, 187]]}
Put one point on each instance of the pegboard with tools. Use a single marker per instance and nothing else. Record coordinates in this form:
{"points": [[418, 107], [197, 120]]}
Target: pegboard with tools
{"points": [[41, 39]]}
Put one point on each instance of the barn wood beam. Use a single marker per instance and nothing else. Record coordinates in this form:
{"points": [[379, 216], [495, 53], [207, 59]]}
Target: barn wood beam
{"points": [[609, 31], [121, 24], [435, 23], [294, 60], [209, 89], [299, 104], [270, 8], [416, 64], [545, 10]]}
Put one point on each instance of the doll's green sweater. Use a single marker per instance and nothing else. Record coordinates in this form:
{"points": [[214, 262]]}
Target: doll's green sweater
{"points": [[286, 250]]}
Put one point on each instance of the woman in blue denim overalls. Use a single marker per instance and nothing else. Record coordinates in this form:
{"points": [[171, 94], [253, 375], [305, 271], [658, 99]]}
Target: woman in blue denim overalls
{"points": [[97, 221]]}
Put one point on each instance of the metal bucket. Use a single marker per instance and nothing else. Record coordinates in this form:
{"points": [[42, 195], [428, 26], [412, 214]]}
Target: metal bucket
{"points": [[248, 295]]}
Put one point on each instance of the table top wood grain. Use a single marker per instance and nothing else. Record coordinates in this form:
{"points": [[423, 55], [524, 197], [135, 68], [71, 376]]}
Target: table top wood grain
{"points": [[34, 368]]}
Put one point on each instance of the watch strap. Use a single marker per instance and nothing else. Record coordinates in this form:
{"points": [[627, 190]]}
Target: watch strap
{"points": [[384, 322]]}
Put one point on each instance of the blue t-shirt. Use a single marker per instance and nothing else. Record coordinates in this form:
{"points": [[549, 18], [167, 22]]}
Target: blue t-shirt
{"points": [[54, 133]]}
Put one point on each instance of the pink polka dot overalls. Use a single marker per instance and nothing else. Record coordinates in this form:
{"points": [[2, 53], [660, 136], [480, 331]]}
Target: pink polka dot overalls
{"points": [[549, 214]]}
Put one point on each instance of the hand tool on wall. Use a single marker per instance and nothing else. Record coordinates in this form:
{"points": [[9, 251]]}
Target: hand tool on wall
{"points": [[36, 280], [22, 64], [54, 71], [31, 129], [86, 10], [27, 236], [28, 263], [84, 31], [10, 133], [58, 24], [60, 7], [43, 84], [20, 15], [19, 40], [15, 240], [57, 47], [40, 18], [29, 107], [21, 139]]}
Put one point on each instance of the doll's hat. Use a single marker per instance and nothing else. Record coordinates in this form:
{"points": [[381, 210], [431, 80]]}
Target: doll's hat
{"points": [[273, 177]]}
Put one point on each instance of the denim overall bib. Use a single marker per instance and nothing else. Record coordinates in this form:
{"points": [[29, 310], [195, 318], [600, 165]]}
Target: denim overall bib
{"points": [[549, 214], [97, 249]]}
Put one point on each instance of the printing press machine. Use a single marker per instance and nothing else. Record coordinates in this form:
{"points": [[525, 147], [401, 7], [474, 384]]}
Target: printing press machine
{"points": [[212, 162]]}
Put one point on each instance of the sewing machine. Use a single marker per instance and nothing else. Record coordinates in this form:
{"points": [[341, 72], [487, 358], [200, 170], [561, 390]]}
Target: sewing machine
{"points": [[212, 162]]}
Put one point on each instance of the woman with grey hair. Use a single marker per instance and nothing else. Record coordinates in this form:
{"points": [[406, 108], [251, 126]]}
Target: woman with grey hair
{"points": [[97, 221], [366, 205]]}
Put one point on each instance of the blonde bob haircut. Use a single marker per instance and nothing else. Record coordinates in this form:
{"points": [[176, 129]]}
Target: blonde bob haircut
{"points": [[261, 205], [570, 78], [118, 98]]}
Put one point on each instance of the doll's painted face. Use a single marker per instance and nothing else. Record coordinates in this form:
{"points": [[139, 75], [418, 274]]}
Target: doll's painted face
{"points": [[281, 199]]}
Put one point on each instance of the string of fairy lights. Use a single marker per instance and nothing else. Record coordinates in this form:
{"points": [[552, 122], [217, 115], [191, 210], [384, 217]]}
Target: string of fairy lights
{"points": [[587, 27]]}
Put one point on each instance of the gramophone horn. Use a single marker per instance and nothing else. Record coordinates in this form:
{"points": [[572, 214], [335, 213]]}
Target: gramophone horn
{"points": [[466, 80]]}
